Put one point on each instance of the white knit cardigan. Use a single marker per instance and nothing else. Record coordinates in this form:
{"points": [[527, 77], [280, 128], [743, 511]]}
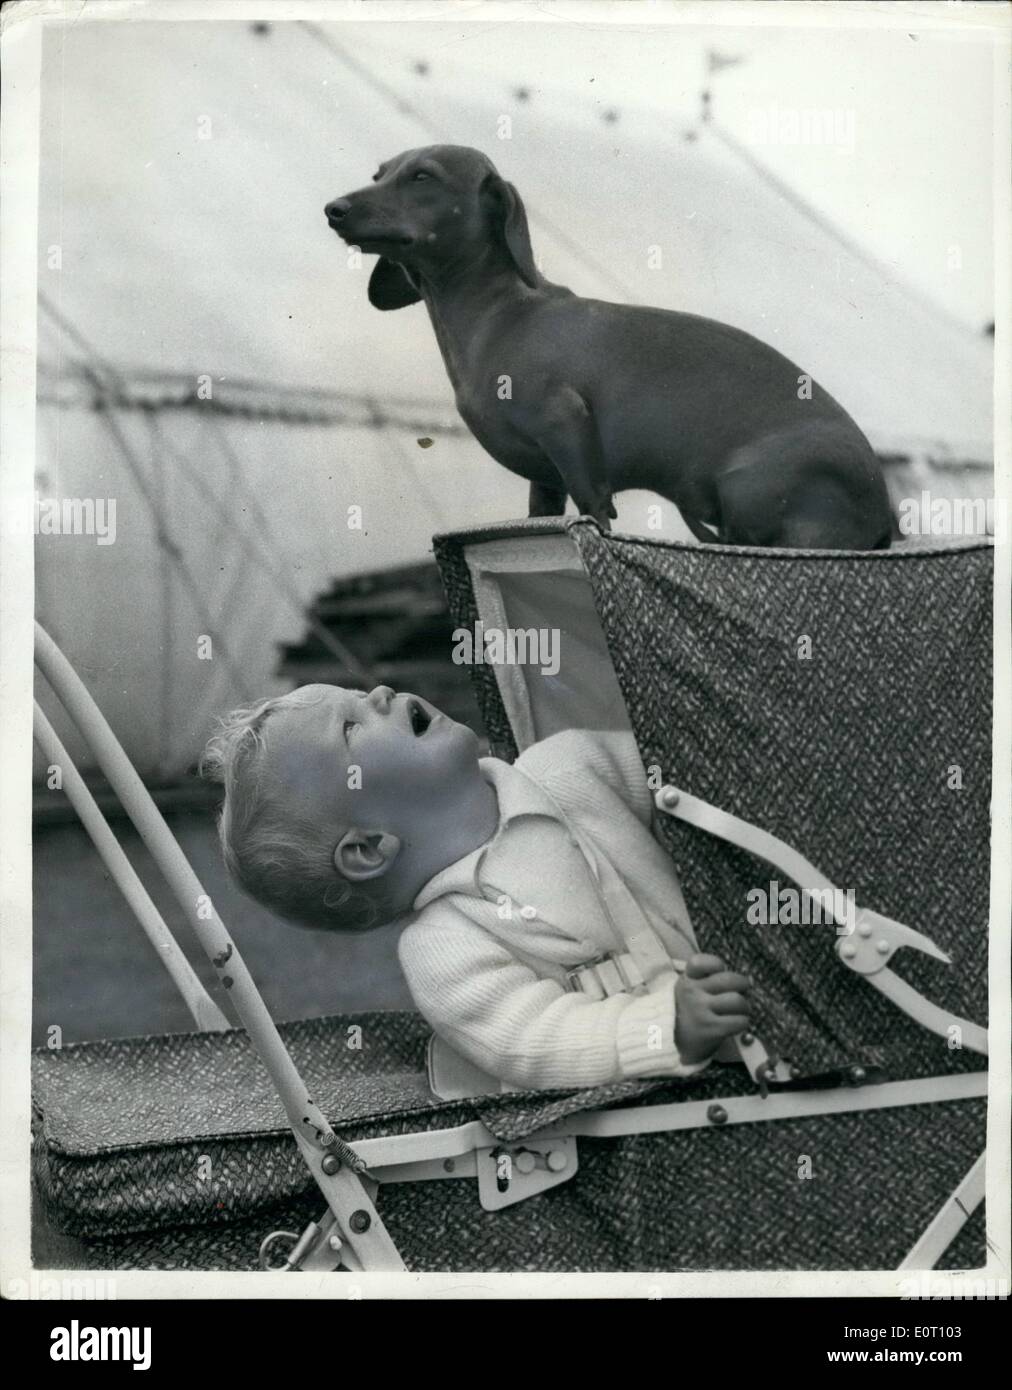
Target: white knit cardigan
{"points": [[486, 957]]}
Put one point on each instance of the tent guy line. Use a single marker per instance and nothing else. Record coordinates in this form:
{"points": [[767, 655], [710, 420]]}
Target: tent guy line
{"points": [[824, 224], [163, 535], [704, 123], [146, 389], [261, 553]]}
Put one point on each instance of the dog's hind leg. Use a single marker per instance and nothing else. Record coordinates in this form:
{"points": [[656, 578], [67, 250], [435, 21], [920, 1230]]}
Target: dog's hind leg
{"points": [[546, 500], [805, 489], [817, 512]]}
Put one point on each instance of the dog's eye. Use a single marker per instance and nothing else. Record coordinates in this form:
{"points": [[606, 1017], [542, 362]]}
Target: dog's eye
{"points": [[420, 176], [348, 724]]}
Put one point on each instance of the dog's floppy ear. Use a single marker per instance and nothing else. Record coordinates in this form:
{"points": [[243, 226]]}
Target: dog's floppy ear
{"points": [[511, 220], [391, 287]]}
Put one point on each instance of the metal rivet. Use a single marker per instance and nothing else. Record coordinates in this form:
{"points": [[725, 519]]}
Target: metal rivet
{"points": [[670, 797], [448, 1165], [525, 1162], [556, 1161], [882, 947], [864, 929], [747, 1039], [848, 951], [716, 1114], [857, 1075], [360, 1221], [335, 1242], [331, 1164]]}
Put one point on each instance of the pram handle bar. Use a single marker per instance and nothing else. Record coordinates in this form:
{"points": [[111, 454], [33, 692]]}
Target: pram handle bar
{"points": [[872, 939], [334, 1164]]}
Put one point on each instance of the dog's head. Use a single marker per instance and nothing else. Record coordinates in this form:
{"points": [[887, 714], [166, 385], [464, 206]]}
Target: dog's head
{"points": [[428, 209]]}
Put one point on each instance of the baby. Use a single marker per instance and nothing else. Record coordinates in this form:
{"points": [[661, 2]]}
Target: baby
{"points": [[548, 939]]}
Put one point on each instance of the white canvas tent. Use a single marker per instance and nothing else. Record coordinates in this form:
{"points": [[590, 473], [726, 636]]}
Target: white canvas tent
{"points": [[185, 169]]}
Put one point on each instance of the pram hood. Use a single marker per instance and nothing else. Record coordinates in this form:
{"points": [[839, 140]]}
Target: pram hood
{"points": [[841, 701]]}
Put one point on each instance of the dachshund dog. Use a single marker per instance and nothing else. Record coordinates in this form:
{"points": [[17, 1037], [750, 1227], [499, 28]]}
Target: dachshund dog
{"points": [[586, 398]]}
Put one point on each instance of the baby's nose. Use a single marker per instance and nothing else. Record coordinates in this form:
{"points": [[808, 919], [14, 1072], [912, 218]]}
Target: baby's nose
{"points": [[380, 698]]}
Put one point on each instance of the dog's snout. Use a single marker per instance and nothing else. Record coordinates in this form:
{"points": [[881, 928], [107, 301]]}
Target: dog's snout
{"points": [[337, 209]]}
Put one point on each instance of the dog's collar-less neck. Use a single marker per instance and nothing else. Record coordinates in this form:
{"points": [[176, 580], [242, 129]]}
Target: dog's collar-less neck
{"points": [[459, 307], [482, 278]]}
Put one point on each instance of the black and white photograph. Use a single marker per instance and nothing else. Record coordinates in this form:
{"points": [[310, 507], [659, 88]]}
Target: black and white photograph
{"points": [[505, 598]]}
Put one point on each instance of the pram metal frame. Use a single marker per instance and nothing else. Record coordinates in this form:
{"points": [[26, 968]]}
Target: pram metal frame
{"points": [[351, 1234], [334, 1165]]}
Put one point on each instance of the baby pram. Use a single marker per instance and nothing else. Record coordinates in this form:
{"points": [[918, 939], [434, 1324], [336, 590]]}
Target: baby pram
{"points": [[838, 702]]}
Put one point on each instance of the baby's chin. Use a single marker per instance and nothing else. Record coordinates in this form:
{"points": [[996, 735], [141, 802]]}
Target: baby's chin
{"points": [[460, 752], [462, 736]]}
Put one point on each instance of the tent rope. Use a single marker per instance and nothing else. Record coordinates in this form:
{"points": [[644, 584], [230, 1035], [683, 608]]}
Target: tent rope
{"points": [[162, 533], [261, 554], [138, 389], [818, 219]]}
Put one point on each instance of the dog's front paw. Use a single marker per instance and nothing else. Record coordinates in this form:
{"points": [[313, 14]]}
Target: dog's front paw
{"points": [[602, 509]]}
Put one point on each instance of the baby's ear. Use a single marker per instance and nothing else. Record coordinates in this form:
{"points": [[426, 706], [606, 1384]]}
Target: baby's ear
{"points": [[365, 854]]}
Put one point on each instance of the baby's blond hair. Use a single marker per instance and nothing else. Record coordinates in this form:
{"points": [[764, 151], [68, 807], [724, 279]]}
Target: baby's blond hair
{"points": [[285, 862]]}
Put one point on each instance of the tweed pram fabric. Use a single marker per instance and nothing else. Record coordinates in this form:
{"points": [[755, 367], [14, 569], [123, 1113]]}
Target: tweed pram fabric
{"points": [[140, 1133], [172, 1152], [847, 756]]}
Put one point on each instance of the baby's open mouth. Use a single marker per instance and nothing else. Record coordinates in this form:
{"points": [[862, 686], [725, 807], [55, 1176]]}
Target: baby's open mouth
{"points": [[420, 719]]}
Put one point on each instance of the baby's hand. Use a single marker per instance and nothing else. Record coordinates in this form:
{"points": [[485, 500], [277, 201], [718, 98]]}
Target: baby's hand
{"points": [[711, 1004]]}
